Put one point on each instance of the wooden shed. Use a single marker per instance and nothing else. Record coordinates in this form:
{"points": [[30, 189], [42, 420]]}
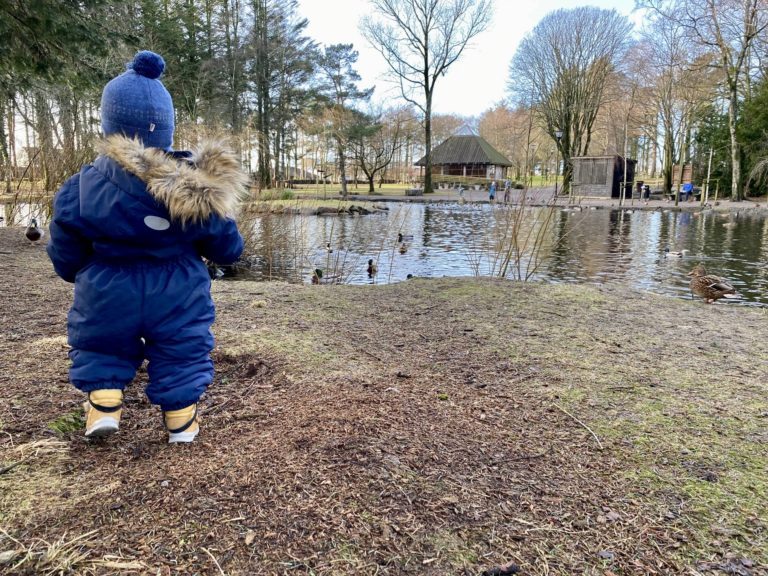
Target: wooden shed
{"points": [[467, 154], [601, 176]]}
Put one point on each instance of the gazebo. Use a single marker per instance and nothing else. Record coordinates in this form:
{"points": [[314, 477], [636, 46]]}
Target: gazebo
{"points": [[467, 154]]}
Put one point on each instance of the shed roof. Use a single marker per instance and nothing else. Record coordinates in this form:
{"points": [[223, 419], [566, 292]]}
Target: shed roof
{"points": [[465, 150]]}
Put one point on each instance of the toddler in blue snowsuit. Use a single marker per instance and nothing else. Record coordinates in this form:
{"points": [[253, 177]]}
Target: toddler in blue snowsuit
{"points": [[130, 230]]}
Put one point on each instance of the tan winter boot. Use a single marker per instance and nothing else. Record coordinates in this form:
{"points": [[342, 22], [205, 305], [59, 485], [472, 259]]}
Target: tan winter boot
{"points": [[183, 424], [103, 409]]}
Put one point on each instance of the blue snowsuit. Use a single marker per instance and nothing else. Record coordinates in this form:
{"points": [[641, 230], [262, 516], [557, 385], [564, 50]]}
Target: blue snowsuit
{"points": [[129, 230]]}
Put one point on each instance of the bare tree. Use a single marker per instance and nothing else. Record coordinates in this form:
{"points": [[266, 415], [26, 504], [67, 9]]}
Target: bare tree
{"points": [[511, 132], [729, 29], [376, 143], [420, 39], [562, 68]]}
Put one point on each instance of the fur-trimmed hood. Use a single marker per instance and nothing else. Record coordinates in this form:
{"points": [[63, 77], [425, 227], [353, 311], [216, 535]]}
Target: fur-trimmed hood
{"points": [[209, 181]]}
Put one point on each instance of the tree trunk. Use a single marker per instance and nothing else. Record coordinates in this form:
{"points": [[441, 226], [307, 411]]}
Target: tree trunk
{"points": [[736, 191], [428, 144], [342, 167], [655, 144], [669, 155]]}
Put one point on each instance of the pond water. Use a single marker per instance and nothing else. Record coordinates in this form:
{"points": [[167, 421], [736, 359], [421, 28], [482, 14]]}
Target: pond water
{"points": [[588, 246], [594, 246]]}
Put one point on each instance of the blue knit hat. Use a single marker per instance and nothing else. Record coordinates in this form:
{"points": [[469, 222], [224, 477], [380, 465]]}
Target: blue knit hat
{"points": [[137, 104]]}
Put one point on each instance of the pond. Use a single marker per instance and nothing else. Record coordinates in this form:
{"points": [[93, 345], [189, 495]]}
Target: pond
{"points": [[593, 246], [577, 246]]}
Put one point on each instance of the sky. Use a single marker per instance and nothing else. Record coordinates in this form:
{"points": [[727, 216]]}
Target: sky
{"points": [[473, 84]]}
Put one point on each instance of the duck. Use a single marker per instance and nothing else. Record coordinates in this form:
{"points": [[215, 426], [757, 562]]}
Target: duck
{"points": [[402, 237], [328, 248], [214, 271], [372, 268], [403, 248], [709, 286], [33, 233], [672, 254]]}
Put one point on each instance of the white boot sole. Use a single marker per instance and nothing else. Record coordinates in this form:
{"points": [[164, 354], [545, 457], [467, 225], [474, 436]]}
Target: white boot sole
{"points": [[182, 437], [103, 427]]}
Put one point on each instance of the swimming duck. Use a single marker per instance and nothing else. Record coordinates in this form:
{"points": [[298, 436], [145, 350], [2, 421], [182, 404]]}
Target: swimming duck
{"points": [[709, 286], [403, 248], [372, 268], [33, 233], [401, 237], [670, 254]]}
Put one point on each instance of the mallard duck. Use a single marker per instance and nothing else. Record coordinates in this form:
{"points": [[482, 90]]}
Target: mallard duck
{"points": [[709, 286], [403, 248], [670, 254], [402, 237], [33, 233], [372, 268]]}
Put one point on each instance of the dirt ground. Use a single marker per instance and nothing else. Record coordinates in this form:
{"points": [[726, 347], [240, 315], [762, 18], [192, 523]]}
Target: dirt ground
{"points": [[429, 427]]}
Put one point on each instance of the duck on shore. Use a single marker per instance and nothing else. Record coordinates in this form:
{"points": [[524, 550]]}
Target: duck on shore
{"points": [[709, 286], [33, 233], [372, 268]]}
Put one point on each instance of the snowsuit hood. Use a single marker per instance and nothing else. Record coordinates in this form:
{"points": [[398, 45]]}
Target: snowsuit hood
{"points": [[207, 180], [141, 204]]}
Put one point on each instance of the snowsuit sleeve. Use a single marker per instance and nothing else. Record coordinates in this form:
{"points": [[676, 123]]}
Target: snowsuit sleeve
{"points": [[68, 248], [221, 242]]}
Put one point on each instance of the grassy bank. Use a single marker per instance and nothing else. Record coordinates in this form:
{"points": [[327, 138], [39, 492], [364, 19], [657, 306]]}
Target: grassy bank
{"points": [[430, 427]]}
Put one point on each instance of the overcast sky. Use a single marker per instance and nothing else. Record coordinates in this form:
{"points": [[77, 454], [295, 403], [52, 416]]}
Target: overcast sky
{"points": [[478, 79]]}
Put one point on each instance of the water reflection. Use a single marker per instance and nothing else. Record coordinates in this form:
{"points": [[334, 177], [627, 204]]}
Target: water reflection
{"points": [[576, 246], [587, 246]]}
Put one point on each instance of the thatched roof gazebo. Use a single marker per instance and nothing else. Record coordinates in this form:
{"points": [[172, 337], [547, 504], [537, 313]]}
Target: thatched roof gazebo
{"points": [[466, 154]]}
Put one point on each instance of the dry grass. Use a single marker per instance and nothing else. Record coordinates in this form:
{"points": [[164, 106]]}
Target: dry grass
{"points": [[416, 428]]}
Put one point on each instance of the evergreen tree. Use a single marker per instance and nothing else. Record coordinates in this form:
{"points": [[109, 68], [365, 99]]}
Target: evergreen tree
{"points": [[338, 83]]}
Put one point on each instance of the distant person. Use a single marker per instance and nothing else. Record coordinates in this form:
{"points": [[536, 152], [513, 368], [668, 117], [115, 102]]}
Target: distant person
{"points": [[507, 188], [688, 190], [492, 192], [130, 231]]}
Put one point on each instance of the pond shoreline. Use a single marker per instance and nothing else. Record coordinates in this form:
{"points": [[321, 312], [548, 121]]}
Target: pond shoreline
{"points": [[541, 197]]}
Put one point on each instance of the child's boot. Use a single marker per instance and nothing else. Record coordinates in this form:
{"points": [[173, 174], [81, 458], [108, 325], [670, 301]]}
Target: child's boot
{"points": [[182, 424], [103, 409]]}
